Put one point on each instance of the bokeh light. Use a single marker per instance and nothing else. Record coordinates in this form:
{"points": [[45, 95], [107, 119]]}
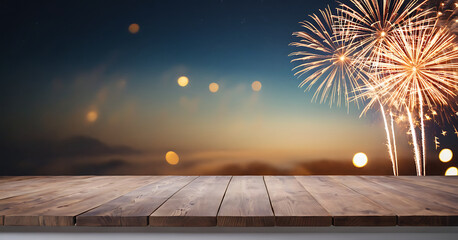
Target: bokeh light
{"points": [[134, 28], [360, 160], [92, 116], [183, 81], [445, 155], [451, 171], [172, 158], [256, 86], [213, 87]]}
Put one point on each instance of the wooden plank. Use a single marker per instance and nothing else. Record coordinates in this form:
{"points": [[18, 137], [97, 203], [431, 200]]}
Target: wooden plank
{"points": [[439, 184], [133, 208], [62, 211], [347, 207], [293, 205], [246, 204], [410, 210], [422, 193], [24, 198], [196, 205], [55, 191], [50, 189], [31, 185]]}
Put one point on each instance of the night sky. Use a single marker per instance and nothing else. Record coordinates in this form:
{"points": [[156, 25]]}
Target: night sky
{"points": [[81, 94]]}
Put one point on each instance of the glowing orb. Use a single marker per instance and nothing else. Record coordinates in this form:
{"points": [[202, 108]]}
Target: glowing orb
{"points": [[172, 158], [213, 87], [451, 171], [183, 81], [256, 86], [383, 33], [360, 160], [92, 116], [445, 155], [342, 58], [134, 28]]}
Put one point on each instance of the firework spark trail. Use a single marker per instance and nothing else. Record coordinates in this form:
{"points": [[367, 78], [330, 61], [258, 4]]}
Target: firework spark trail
{"points": [[423, 143], [394, 144], [388, 138], [414, 142]]}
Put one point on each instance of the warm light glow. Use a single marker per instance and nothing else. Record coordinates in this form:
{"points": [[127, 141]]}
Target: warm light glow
{"points": [[383, 34], [172, 158], [256, 86], [92, 116], [183, 81], [342, 58], [134, 28], [445, 155], [451, 171], [360, 160], [439, 13], [414, 69], [213, 87]]}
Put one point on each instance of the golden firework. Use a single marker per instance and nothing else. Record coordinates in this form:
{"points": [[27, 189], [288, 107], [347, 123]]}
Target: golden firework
{"points": [[327, 59], [418, 68]]}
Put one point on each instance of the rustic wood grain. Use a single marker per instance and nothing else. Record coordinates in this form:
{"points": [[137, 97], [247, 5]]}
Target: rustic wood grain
{"points": [[246, 204], [293, 205], [240, 201], [419, 192], [436, 183], [34, 185], [196, 205], [409, 210], [133, 208], [62, 211], [347, 207]]}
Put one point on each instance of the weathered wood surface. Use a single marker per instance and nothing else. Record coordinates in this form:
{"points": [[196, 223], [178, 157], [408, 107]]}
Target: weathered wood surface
{"points": [[196, 205], [61, 210], [228, 201], [293, 205], [410, 210], [133, 209], [246, 204], [347, 207]]}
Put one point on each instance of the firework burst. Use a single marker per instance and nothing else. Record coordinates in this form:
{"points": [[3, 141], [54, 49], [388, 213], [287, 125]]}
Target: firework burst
{"points": [[372, 21], [419, 69], [326, 58]]}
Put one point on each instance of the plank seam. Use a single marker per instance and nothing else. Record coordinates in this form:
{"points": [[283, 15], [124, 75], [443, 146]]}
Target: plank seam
{"points": [[222, 199], [147, 218], [268, 195], [316, 200]]}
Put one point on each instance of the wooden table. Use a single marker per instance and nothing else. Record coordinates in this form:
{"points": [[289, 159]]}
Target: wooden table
{"points": [[233, 201]]}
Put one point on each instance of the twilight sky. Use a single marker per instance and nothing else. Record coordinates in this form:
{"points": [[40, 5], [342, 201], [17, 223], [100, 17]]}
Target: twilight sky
{"points": [[81, 94]]}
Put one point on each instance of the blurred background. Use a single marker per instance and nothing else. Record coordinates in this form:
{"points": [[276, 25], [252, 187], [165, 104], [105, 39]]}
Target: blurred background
{"points": [[179, 87]]}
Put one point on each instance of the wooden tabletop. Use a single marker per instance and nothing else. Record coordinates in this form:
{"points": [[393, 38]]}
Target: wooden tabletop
{"points": [[233, 201]]}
